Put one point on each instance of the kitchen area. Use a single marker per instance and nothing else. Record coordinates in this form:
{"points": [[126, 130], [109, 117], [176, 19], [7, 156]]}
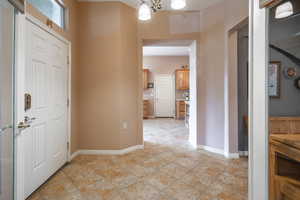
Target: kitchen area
{"points": [[177, 91]]}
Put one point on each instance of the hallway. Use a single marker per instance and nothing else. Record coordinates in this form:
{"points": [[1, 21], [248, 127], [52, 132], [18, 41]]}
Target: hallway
{"points": [[166, 169]]}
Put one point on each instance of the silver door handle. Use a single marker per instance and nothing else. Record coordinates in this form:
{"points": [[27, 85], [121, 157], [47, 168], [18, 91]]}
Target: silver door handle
{"points": [[23, 125]]}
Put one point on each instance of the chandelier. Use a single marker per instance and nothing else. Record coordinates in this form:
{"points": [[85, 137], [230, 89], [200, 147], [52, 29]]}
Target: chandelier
{"points": [[147, 8]]}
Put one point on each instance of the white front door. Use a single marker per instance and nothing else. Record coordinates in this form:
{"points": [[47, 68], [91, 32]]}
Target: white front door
{"points": [[46, 83], [164, 96]]}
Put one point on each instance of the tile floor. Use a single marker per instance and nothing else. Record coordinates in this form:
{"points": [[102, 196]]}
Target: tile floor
{"points": [[167, 169]]}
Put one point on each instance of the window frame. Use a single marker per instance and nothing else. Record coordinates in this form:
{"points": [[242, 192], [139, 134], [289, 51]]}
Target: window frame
{"points": [[64, 14]]}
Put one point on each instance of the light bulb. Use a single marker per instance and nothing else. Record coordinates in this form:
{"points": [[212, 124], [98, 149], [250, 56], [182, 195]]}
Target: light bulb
{"points": [[144, 12], [178, 4], [284, 10]]}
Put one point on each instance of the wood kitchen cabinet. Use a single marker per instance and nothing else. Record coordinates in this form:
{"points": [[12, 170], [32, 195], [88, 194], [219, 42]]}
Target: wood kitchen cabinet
{"points": [[180, 109], [284, 125], [146, 109], [182, 79], [145, 78], [284, 167]]}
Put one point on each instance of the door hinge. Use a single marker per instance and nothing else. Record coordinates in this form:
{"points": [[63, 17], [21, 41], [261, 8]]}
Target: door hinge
{"points": [[68, 145], [68, 60], [68, 102]]}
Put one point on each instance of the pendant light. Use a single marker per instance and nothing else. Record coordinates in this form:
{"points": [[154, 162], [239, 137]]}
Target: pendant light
{"points": [[284, 10], [178, 4], [144, 12]]}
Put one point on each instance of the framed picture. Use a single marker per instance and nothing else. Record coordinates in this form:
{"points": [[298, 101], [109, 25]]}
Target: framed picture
{"points": [[274, 79]]}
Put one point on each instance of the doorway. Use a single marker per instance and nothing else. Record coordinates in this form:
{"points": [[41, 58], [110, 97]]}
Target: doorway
{"points": [[170, 91]]}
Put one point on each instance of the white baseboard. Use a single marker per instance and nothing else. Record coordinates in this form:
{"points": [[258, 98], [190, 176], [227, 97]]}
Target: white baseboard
{"points": [[211, 149], [73, 155], [219, 151], [106, 152], [243, 153], [232, 155]]}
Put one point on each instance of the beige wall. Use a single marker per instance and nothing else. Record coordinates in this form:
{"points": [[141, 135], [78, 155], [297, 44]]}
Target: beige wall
{"points": [[216, 21], [162, 65], [71, 35], [108, 76], [107, 68]]}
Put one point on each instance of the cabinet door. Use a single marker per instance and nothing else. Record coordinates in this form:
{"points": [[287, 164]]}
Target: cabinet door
{"points": [[187, 80], [145, 78], [180, 80]]}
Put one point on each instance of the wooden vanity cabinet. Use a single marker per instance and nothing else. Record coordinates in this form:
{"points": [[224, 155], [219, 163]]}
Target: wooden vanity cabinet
{"points": [[182, 79]]}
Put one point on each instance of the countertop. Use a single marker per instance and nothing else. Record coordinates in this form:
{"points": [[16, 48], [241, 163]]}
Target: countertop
{"points": [[292, 140]]}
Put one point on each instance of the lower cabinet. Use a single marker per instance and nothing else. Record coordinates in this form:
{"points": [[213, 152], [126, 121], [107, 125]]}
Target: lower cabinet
{"points": [[146, 109], [180, 110]]}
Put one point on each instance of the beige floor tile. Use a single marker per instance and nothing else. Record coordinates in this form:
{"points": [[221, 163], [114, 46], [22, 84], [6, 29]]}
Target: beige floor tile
{"points": [[168, 168], [140, 191]]}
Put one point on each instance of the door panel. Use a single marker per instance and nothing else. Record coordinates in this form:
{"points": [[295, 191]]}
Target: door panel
{"points": [[46, 82], [164, 96], [6, 100]]}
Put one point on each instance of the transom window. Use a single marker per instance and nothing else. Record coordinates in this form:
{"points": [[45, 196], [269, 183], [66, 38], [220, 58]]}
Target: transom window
{"points": [[53, 9]]}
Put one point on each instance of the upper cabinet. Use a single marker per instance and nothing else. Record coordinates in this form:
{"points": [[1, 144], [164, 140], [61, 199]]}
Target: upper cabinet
{"points": [[145, 78], [182, 79]]}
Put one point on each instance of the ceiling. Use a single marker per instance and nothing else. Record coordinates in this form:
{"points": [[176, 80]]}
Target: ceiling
{"points": [[191, 4]]}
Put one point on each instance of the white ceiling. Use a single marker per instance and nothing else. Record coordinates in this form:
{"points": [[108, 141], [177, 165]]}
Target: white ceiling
{"points": [[191, 4], [165, 51]]}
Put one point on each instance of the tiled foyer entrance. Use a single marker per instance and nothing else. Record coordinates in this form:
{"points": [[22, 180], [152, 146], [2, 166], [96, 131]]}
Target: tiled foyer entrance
{"points": [[166, 169]]}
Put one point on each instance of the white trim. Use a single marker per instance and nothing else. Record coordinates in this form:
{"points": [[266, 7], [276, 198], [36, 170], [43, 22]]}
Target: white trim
{"points": [[75, 154], [243, 153], [211, 149], [193, 92], [258, 103], [46, 28], [219, 151], [19, 105], [232, 155], [106, 152]]}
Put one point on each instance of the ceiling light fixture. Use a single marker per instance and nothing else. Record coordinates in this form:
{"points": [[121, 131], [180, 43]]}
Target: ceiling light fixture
{"points": [[284, 10], [144, 12], [178, 4]]}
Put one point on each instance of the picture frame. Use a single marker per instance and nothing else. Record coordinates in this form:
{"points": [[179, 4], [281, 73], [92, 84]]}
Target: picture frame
{"points": [[274, 79]]}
